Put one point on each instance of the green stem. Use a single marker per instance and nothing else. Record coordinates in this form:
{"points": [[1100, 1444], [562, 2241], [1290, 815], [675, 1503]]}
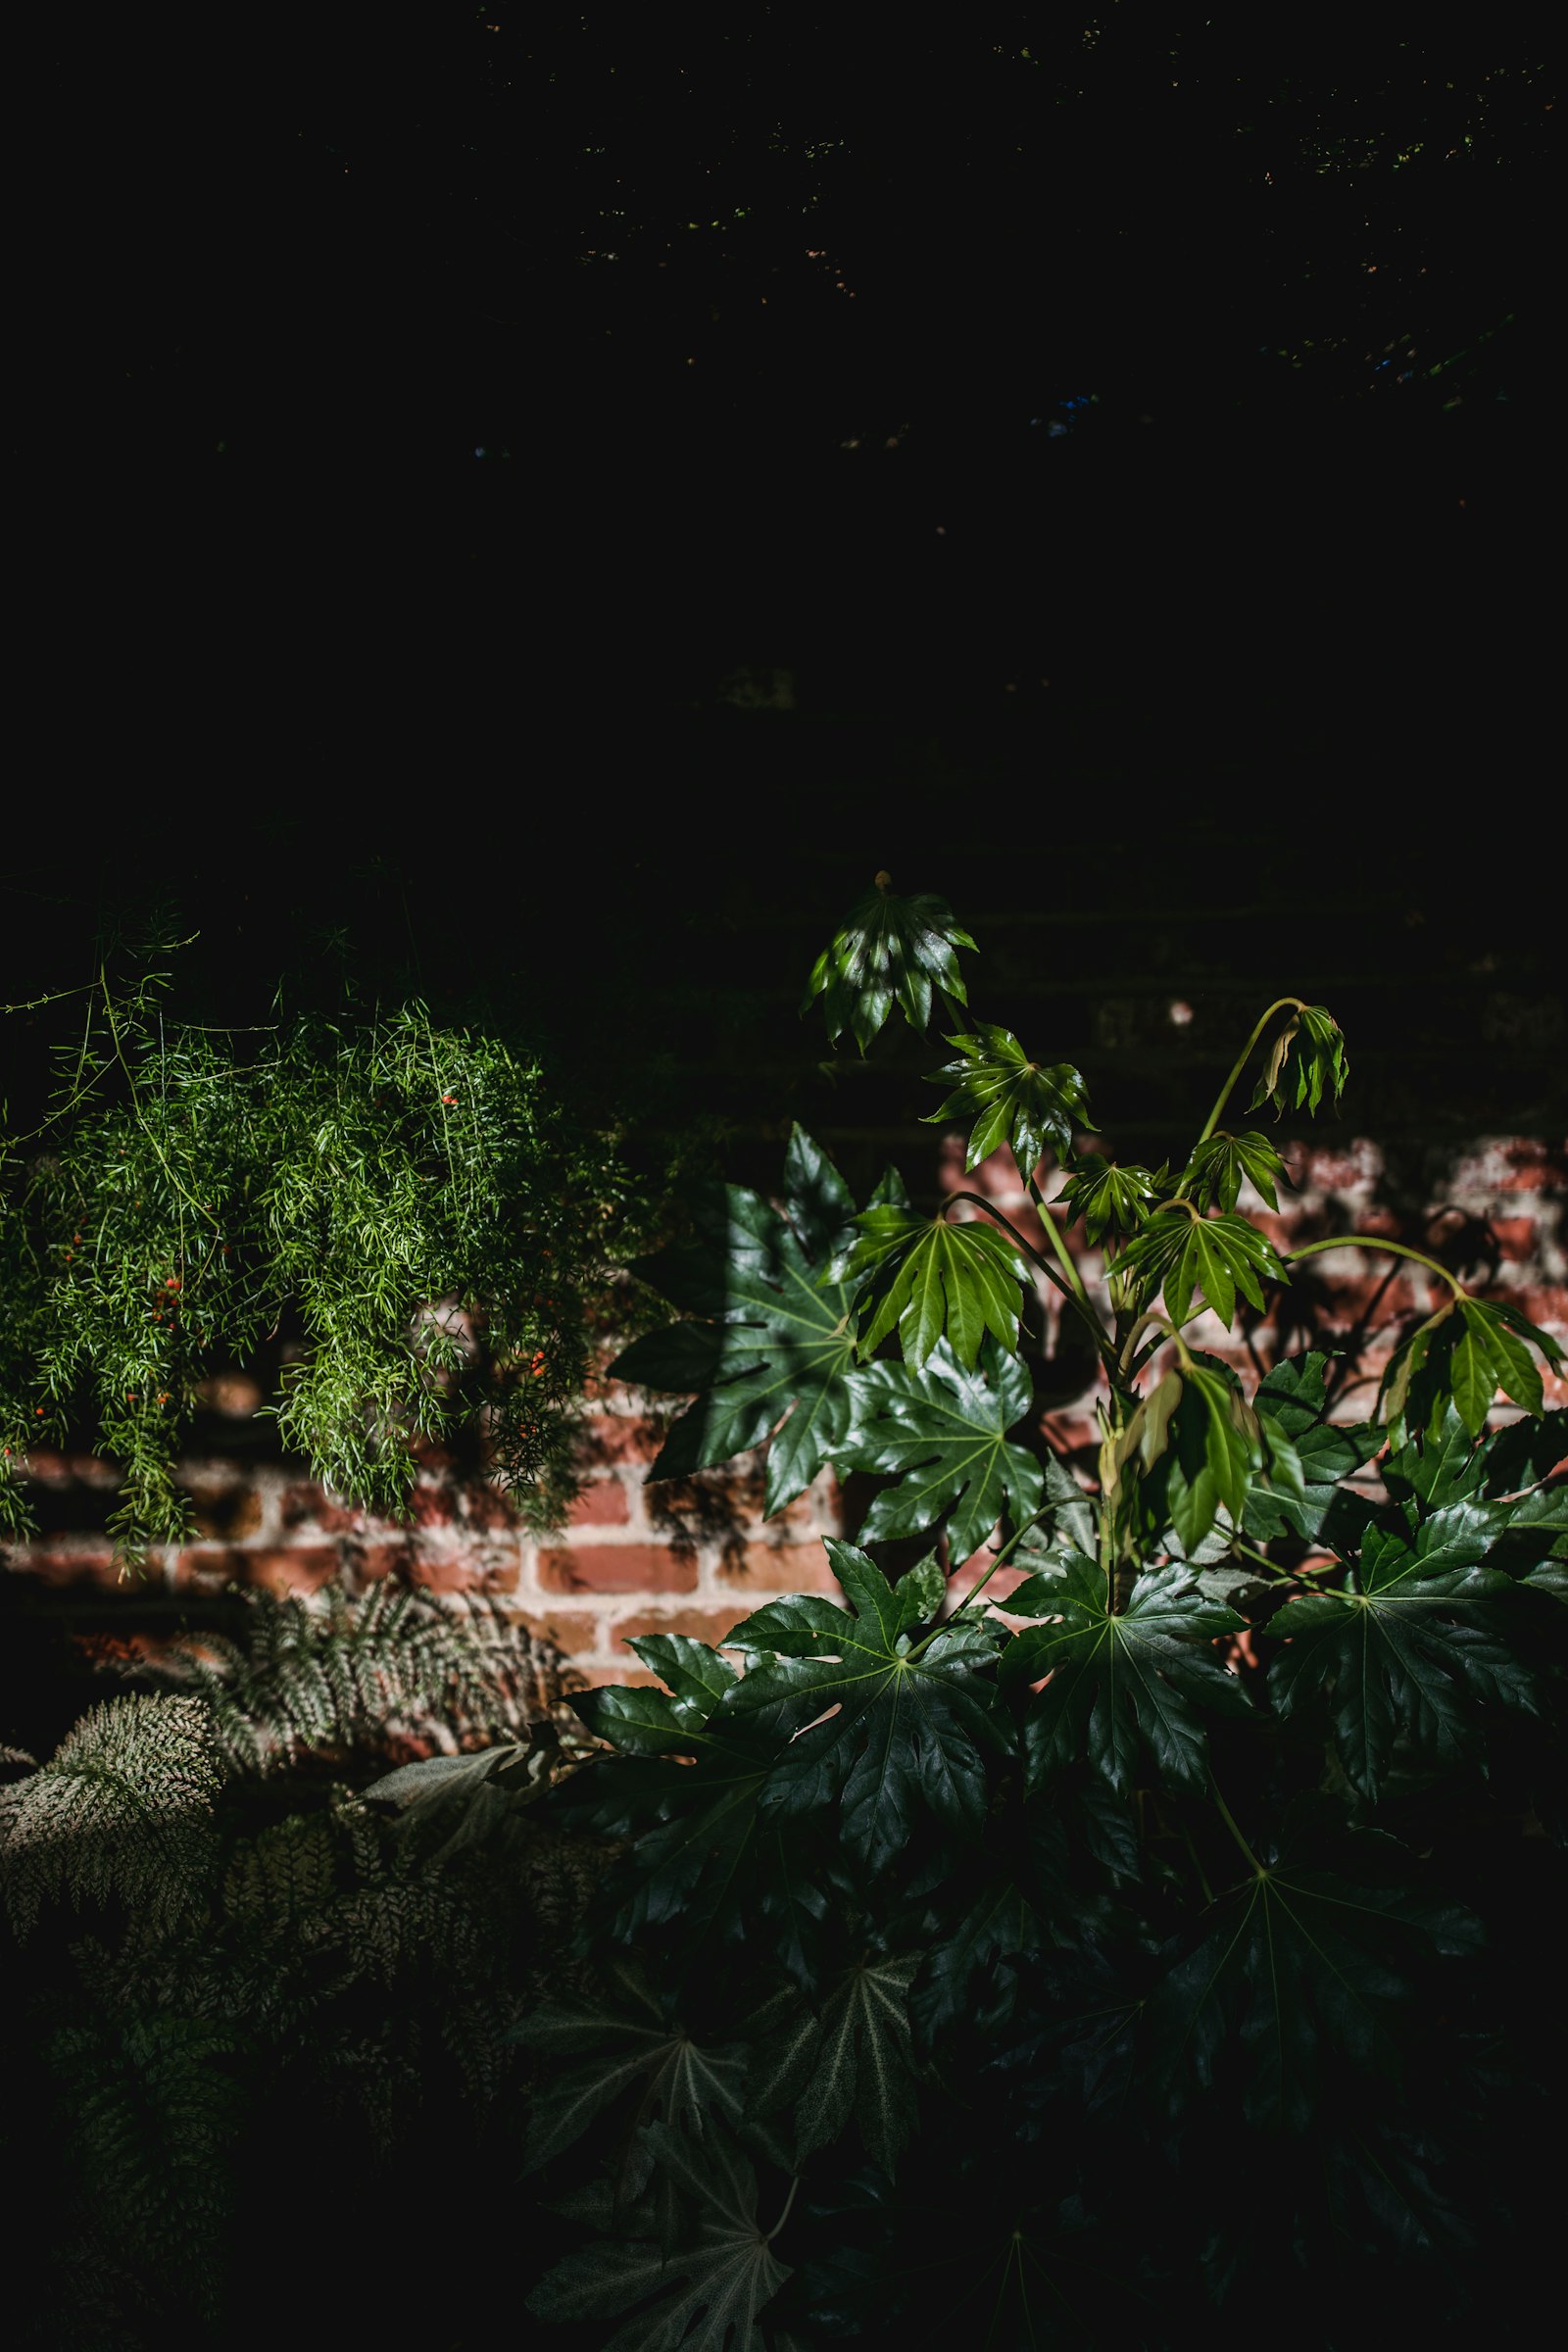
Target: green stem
{"points": [[1251, 1552], [1373, 1241], [785, 2215], [1229, 1819], [1241, 1060], [1069, 1265], [135, 1105], [1013, 1541]]}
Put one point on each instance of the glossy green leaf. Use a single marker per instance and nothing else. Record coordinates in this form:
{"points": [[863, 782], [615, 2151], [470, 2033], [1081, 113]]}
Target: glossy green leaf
{"points": [[909, 1729], [1218, 1167], [926, 1277], [1399, 1647], [1033, 1106], [1108, 1197], [1313, 1042], [780, 1349], [1221, 1256], [1119, 1685], [942, 1433], [1319, 1508], [890, 950]]}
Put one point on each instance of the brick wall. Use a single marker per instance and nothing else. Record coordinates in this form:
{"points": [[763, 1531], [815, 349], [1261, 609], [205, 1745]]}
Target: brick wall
{"points": [[694, 1557]]}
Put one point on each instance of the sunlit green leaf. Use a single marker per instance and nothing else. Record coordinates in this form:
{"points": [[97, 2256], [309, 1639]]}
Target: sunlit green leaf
{"points": [[1010, 1100], [1110, 1199], [1221, 1256], [1217, 1168], [890, 950], [926, 1275]]}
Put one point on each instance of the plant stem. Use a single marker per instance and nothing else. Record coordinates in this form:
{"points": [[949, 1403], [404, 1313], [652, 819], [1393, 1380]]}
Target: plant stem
{"points": [[1069, 1267], [135, 1105], [1241, 1060], [1229, 1819], [1249, 1551], [1373, 1241], [1076, 1296], [785, 2215], [1011, 1544]]}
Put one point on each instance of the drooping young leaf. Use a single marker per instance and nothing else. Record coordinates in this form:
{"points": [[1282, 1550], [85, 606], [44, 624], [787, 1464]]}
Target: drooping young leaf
{"points": [[1319, 1055], [1492, 1354], [904, 1731], [1289, 1961], [1220, 1255], [1110, 1199], [943, 1433], [1120, 1684], [1218, 1167], [780, 1344], [890, 950], [1034, 1106], [861, 2064], [1399, 1648], [927, 1277], [1218, 1453], [711, 2287]]}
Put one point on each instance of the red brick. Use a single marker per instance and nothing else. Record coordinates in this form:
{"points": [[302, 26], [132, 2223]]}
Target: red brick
{"points": [[616, 1568], [619, 1437], [778, 1568], [297, 1568], [371, 1561], [63, 1568], [470, 1568], [209, 1566], [712, 1626], [310, 1506], [1532, 1168], [603, 1502], [1516, 1236], [227, 1513], [569, 1629]]}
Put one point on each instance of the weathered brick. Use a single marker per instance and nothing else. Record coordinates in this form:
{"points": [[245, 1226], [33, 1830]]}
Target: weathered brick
{"points": [[778, 1568], [603, 1502], [312, 1507], [444, 1567], [225, 1512], [64, 1567], [372, 1562], [712, 1626], [606, 1438], [570, 1631], [292, 1568], [616, 1568]]}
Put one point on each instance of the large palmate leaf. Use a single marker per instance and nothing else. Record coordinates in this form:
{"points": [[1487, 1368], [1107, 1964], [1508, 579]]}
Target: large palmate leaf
{"points": [[695, 1828], [1294, 1398], [1292, 1960], [781, 1342], [943, 1433], [1118, 1684], [1400, 1646], [624, 2046], [707, 2291], [859, 2063], [903, 1729], [1034, 1106], [1219, 1255], [890, 950], [928, 1277], [1320, 1061], [1493, 1352]]}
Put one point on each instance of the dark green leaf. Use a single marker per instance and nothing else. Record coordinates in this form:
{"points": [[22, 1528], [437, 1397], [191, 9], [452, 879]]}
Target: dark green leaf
{"points": [[621, 2046], [1119, 1684], [1291, 1960], [1396, 1648], [1292, 1398], [1010, 1100], [943, 1434], [907, 1729], [861, 2064], [891, 951], [1527, 1452], [782, 1343], [927, 1276], [712, 2289]]}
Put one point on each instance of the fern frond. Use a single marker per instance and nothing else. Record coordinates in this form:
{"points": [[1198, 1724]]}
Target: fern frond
{"points": [[123, 1808]]}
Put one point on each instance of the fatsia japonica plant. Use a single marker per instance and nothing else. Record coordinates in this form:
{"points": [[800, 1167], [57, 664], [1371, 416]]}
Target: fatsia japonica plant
{"points": [[1082, 1969]]}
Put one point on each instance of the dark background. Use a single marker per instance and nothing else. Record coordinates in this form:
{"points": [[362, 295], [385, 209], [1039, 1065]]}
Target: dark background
{"points": [[1129, 438]]}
